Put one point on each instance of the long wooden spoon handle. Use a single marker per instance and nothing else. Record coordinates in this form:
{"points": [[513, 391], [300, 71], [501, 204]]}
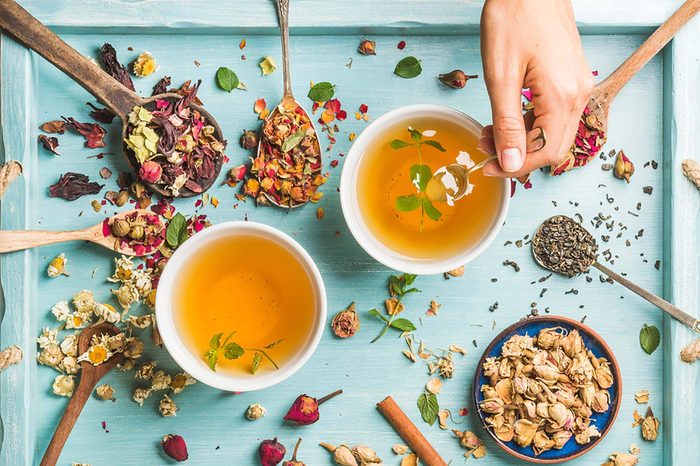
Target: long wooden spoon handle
{"points": [[17, 240], [283, 13], [23, 27], [668, 308], [65, 426], [657, 41]]}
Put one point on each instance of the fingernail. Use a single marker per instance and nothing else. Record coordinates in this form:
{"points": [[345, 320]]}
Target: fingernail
{"points": [[511, 159]]}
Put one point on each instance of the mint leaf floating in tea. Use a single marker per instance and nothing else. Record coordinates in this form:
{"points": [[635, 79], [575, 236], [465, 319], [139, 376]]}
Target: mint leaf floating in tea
{"points": [[429, 407], [226, 79], [399, 286], [649, 338], [304, 410], [230, 350], [407, 203], [408, 68], [322, 92]]}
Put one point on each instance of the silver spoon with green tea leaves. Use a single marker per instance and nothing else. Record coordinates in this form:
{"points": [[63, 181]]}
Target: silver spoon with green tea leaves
{"points": [[564, 246]]}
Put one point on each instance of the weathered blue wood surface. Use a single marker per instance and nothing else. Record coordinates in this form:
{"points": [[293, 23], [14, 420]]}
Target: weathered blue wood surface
{"points": [[649, 120]]}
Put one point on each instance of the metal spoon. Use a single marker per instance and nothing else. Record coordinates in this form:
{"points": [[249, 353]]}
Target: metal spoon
{"points": [[287, 98], [23, 27], [678, 314], [89, 376], [17, 240]]}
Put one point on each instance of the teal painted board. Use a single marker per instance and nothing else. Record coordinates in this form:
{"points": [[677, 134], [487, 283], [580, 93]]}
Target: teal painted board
{"points": [[34, 92]]}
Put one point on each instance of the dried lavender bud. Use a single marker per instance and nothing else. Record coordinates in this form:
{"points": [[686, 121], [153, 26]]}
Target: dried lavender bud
{"points": [[456, 79], [70, 186], [271, 452], [249, 139], [346, 323], [175, 447], [112, 66]]}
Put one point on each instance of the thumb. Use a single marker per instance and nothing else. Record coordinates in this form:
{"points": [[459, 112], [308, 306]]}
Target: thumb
{"points": [[508, 125]]}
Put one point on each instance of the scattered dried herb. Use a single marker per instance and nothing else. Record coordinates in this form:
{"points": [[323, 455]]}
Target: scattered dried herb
{"points": [[55, 126], [650, 424], [649, 338], [9, 171], [367, 47], [10, 356], [294, 461], [49, 143], [474, 446], [399, 286], [145, 65], [231, 351], [143, 233], [101, 115], [408, 68], [112, 66], [456, 79], [429, 407], [249, 139], [57, 266], [356, 455], [267, 66], [691, 170], [70, 186], [304, 410], [94, 134], [227, 79], [624, 168], [161, 87], [691, 352], [271, 452], [175, 447], [322, 92], [346, 323], [564, 246], [590, 138]]}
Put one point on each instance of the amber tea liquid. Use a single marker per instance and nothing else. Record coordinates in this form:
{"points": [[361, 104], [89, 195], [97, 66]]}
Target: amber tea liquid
{"points": [[252, 286], [384, 175]]}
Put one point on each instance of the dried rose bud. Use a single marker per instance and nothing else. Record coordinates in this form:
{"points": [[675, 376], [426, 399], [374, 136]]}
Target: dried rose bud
{"points": [[294, 461], [456, 79], [367, 47], [346, 323], [175, 447], [271, 452], [150, 171], [237, 174], [249, 139], [624, 168], [304, 410], [120, 228]]}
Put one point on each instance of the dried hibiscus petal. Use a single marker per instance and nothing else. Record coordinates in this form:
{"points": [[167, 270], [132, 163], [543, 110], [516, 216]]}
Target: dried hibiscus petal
{"points": [[304, 410], [49, 143], [161, 86], [70, 186], [112, 66], [103, 115], [94, 134]]}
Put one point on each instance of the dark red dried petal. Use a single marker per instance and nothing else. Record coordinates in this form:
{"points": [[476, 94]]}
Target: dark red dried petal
{"points": [[49, 143], [70, 186], [94, 134]]}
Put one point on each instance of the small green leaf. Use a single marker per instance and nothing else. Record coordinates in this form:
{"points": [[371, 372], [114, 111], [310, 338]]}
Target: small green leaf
{"points": [[399, 144], [649, 338], [428, 407], [407, 203], [420, 175], [215, 342], [227, 79], [431, 210], [292, 141], [408, 68], [435, 144], [211, 358], [233, 351], [415, 134], [376, 313], [322, 92], [404, 325], [257, 359], [174, 230]]}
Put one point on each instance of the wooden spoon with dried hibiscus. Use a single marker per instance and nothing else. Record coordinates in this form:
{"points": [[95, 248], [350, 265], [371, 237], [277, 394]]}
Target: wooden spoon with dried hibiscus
{"points": [[175, 146]]}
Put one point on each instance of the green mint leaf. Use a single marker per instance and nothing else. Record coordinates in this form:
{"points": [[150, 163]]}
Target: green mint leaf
{"points": [[649, 338], [274, 343], [420, 175], [408, 68], [415, 134], [404, 325], [322, 92], [292, 141], [376, 313], [215, 342], [233, 351], [175, 227], [211, 358], [407, 203], [399, 144], [435, 144], [226, 79], [428, 407], [431, 210], [257, 359], [411, 290], [408, 278]]}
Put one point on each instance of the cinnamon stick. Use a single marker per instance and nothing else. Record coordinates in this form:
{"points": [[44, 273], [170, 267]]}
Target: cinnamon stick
{"points": [[410, 434]]}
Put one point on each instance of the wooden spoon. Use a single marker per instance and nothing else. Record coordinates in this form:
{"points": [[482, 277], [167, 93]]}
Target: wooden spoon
{"points": [[27, 30], [287, 98], [89, 376], [607, 90], [17, 240], [675, 312]]}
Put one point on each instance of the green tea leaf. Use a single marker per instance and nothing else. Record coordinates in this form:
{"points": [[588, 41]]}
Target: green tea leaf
{"points": [[435, 144], [233, 351], [430, 210], [292, 141], [649, 338], [215, 342], [227, 79], [376, 313], [174, 230], [415, 134], [408, 68], [322, 92], [428, 407], [257, 359], [399, 144], [211, 358], [407, 203], [420, 175], [404, 325]]}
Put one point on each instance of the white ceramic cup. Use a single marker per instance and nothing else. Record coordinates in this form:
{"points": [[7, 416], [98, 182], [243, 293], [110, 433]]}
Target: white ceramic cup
{"points": [[350, 203], [166, 306]]}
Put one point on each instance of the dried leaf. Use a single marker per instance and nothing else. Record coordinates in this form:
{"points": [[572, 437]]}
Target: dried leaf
{"points": [[9, 171], [55, 126]]}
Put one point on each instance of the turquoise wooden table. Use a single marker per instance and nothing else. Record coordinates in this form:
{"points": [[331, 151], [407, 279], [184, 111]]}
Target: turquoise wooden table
{"points": [[653, 119]]}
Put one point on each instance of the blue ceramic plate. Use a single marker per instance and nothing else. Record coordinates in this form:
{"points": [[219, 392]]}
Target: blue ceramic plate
{"points": [[593, 342]]}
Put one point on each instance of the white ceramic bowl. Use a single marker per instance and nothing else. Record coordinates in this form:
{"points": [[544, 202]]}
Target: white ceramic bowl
{"points": [[194, 363], [353, 215]]}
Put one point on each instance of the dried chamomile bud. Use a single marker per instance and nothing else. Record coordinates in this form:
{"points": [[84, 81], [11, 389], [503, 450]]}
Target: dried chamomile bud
{"points": [[160, 381], [167, 407], [63, 385], [107, 313], [145, 370], [255, 412], [180, 381], [57, 266], [105, 392], [145, 65], [140, 395], [96, 354], [346, 323]]}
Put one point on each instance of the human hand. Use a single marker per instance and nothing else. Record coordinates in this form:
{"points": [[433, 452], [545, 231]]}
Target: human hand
{"points": [[531, 44]]}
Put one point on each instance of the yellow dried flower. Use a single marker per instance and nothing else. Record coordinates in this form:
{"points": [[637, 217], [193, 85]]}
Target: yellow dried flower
{"points": [[145, 65], [167, 407], [57, 266], [160, 381], [63, 385], [145, 371], [140, 395], [105, 392], [255, 412], [180, 381], [96, 355]]}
